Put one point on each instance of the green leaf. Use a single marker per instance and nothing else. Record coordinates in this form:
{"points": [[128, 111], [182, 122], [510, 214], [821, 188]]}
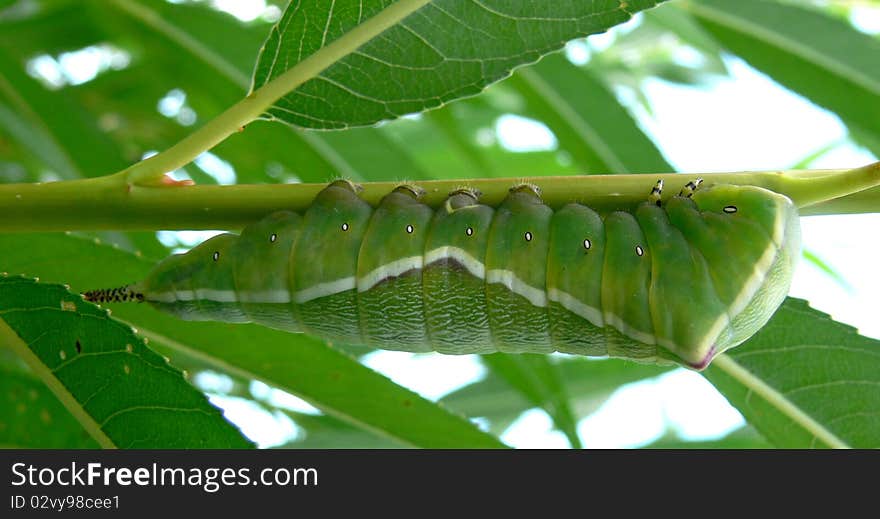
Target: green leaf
{"points": [[446, 50], [806, 161], [226, 47], [327, 432], [214, 38], [474, 150], [314, 431], [26, 406], [588, 382], [813, 54], [327, 378], [805, 381], [121, 392], [743, 438], [374, 154], [589, 122], [540, 381], [446, 125], [830, 271], [51, 126], [674, 19], [285, 153], [205, 54]]}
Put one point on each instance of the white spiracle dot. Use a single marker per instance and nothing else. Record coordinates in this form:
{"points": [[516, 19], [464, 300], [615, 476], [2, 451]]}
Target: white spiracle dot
{"points": [[216, 255], [730, 209], [410, 229], [469, 231], [587, 243], [345, 226], [639, 250], [528, 236], [273, 238]]}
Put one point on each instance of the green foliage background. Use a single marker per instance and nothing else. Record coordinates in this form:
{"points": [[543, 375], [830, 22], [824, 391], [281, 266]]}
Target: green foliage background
{"points": [[804, 381]]}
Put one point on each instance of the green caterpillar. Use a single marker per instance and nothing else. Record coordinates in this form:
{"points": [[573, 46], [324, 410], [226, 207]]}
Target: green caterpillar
{"points": [[680, 281]]}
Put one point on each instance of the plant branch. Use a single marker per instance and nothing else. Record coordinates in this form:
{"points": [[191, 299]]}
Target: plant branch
{"points": [[150, 171], [103, 203]]}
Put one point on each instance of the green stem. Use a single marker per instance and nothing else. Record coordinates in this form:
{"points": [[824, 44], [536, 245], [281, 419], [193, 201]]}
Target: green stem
{"points": [[108, 203], [227, 70], [150, 171], [809, 192]]}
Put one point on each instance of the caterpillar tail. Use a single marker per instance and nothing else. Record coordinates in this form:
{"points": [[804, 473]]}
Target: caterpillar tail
{"points": [[114, 295]]}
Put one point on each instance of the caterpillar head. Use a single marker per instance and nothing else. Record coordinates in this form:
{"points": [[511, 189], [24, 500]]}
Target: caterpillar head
{"points": [[752, 249]]}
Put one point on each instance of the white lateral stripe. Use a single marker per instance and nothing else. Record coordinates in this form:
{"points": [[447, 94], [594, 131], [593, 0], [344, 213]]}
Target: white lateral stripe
{"points": [[576, 306], [711, 338], [161, 297], [220, 296], [264, 296], [474, 266], [618, 323], [507, 278], [325, 289], [707, 341], [389, 270]]}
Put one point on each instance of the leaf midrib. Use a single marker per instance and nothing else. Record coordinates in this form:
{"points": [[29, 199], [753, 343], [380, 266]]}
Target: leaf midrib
{"points": [[12, 340], [778, 400]]}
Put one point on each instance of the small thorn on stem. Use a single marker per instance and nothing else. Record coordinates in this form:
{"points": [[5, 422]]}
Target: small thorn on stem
{"points": [[168, 181]]}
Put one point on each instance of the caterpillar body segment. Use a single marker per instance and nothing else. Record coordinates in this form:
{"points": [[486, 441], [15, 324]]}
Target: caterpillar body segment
{"points": [[268, 299], [389, 274], [323, 264], [575, 275], [516, 274], [679, 282], [453, 279]]}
